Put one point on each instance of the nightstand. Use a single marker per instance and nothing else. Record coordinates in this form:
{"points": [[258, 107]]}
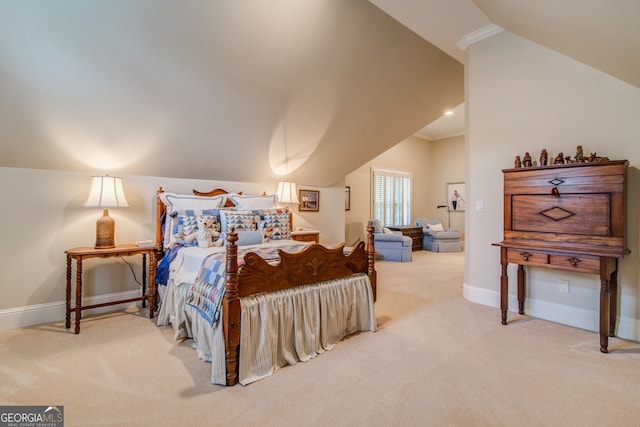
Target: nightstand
{"points": [[415, 232], [82, 253], [306, 235]]}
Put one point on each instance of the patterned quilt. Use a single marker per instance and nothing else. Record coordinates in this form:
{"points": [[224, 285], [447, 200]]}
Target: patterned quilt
{"points": [[206, 293]]}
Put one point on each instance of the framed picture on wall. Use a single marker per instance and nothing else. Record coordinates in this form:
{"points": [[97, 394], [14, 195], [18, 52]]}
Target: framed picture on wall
{"points": [[347, 198], [456, 195], [309, 200]]}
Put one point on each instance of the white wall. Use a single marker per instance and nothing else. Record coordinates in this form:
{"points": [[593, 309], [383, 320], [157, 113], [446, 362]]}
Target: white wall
{"points": [[522, 97], [42, 216]]}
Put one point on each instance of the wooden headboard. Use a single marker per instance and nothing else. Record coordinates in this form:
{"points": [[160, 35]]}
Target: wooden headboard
{"points": [[216, 192]]}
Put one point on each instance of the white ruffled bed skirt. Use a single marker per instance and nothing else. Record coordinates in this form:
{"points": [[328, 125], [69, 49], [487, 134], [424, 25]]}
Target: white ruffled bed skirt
{"points": [[285, 327]]}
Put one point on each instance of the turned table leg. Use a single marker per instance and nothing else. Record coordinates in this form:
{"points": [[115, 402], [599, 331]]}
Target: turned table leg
{"points": [[504, 286], [613, 300], [67, 322], [78, 308], [521, 283]]}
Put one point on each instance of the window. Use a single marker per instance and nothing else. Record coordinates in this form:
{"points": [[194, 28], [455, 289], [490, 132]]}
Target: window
{"points": [[391, 194]]}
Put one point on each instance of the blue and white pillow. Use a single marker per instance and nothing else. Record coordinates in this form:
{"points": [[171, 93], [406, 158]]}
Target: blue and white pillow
{"points": [[181, 202], [275, 224], [185, 224], [238, 220]]}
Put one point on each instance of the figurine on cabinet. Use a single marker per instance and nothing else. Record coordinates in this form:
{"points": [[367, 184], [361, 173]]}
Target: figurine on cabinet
{"points": [[559, 160], [526, 160], [544, 157], [517, 163], [594, 158], [579, 157]]}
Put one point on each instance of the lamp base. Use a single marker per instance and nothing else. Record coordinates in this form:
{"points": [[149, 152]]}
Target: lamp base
{"points": [[105, 231]]}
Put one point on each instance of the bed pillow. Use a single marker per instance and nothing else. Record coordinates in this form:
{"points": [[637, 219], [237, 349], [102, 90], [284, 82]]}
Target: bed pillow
{"points": [[275, 224], [184, 228], [253, 202], [175, 202], [238, 220], [182, 202], [249, 238], [435, 227]]}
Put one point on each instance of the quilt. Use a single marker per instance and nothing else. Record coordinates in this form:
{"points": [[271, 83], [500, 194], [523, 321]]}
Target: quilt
{"points": [[205, 295]]}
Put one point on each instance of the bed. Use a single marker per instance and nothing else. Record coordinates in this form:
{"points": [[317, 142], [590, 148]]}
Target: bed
{"points": [[253, 306]]}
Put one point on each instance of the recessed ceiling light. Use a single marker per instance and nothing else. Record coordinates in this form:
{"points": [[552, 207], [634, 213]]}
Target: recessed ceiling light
{"points": [[448, 113]]}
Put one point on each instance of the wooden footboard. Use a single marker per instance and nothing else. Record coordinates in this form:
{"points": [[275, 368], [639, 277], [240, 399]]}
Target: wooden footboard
{"points": [[315, 263]]}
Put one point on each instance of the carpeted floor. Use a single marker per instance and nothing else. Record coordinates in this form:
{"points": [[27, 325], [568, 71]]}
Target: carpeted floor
{"points": [[436, 360]]}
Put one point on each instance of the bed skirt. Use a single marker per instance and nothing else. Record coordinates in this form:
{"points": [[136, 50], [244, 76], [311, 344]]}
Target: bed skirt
{"points": [[285, 327]]}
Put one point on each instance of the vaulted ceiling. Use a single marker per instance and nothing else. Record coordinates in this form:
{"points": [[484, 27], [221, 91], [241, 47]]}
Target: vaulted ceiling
{"points": [[246, 90], [237, 90]]}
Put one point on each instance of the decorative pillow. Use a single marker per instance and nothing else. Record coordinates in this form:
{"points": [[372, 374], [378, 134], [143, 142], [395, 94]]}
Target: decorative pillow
{"points": [[239, 220], [435, 227], [249, 238], [180, 202], [386, 230], [377, 226], [275, 224], [253, 202], [185, 225]]}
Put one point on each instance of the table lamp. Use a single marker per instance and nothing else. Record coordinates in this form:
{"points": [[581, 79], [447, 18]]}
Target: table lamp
{"points": [[287, 192], [106, 192]]}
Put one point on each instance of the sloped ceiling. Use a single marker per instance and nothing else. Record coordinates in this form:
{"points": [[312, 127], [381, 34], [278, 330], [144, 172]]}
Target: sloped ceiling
{"points": [[238, 90], [604, 34]]}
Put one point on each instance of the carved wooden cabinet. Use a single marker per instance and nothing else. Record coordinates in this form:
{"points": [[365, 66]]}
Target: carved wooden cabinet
{"points": [[567, 217]]}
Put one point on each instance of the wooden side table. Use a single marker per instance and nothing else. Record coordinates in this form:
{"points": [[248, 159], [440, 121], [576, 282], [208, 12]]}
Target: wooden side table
{"points": [[306, 235], [82, 253], [415, 232]]}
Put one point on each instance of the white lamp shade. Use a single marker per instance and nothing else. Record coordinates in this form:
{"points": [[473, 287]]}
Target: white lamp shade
{"points": [[106, 192], [287, 192]]}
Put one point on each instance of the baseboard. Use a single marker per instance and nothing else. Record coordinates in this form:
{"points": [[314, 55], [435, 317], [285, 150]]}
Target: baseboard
{"points": [[627, 327], [21, 317]]}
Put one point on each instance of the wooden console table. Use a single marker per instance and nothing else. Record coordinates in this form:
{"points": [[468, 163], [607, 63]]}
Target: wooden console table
{"points": [[415, 232], [82, 253], [566, 217], [604, 265]]}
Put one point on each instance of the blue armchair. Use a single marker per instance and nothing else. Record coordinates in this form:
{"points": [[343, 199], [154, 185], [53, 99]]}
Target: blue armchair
{"points": [[391, 245], [436, 238]]}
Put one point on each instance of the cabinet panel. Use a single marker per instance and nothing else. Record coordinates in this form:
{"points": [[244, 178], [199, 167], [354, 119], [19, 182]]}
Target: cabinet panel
{"points": [[568, 213]]}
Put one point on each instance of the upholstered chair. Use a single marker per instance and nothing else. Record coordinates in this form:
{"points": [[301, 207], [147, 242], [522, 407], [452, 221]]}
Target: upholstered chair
{"points": [[391, 245], [436, 238]]}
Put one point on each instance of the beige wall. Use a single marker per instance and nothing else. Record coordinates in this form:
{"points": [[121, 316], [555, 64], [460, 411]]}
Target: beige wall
{"points": [[42, 216], [447, 166], [431, 166], [522, 97]]}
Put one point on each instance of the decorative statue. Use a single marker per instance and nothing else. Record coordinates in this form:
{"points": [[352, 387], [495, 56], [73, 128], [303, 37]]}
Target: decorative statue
{"points": [[526, 160], [518, 162], [594, 158], [559, 160], [579, 157], [544, 157]]}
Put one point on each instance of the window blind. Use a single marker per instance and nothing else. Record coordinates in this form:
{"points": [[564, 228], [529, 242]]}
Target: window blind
{"points": [[391, 194]]}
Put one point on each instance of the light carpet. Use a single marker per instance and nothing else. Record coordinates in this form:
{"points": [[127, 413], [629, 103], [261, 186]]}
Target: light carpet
{"points": [[436, 360]]}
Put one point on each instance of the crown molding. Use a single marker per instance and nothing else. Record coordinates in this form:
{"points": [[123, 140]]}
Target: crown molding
{"points": [[477, 35]]}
